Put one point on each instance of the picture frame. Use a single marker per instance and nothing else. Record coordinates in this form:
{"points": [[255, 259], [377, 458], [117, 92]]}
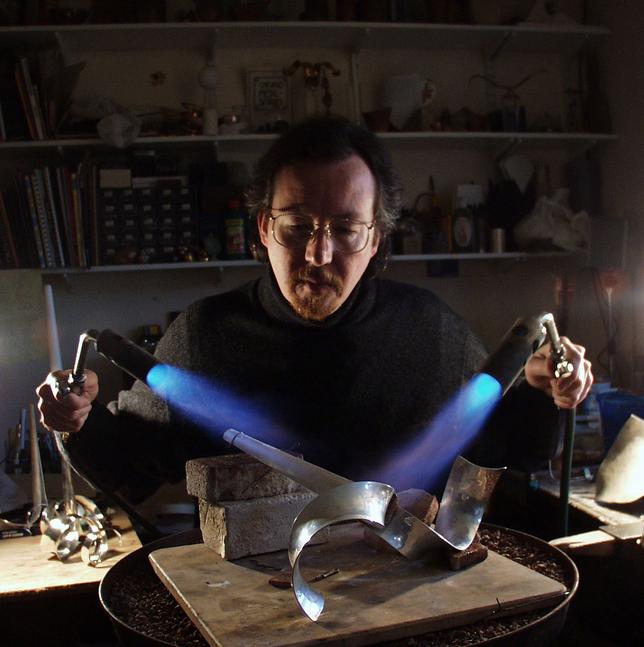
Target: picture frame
{"points": [[268, 96]]}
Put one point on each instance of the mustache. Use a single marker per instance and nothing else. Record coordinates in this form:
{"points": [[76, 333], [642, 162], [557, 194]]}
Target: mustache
{"points": [[318, 275]]}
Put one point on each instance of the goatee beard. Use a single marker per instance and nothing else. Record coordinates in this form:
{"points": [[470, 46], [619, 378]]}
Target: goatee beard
{"points": [[316, 307]]}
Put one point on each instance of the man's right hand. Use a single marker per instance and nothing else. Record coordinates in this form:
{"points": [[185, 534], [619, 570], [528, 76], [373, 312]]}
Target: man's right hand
{"points": [[65, 413]]}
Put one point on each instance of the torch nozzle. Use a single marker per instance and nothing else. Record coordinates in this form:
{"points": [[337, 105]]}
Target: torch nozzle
{"points": [[563, 367]]}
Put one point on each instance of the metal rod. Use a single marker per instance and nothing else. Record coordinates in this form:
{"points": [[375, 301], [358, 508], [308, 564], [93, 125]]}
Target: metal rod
{"points": [[307, 474]]}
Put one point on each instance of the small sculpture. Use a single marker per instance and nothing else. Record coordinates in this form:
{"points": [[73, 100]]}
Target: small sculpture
{"points": [[315, 77]]}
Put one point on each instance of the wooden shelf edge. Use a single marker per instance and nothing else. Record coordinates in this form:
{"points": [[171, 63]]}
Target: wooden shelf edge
{"points": [[484, 256], [439, 137]]}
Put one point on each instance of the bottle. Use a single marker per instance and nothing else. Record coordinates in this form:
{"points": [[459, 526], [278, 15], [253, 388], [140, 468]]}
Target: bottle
{"points": [[234, 233], [150, 336]]}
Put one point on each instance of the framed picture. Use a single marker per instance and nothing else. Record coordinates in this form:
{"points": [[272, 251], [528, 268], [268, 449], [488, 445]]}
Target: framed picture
{"points": [[269, 100]]}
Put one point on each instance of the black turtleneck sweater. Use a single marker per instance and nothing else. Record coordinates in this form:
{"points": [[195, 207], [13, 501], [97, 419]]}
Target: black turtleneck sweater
{"points": [[345, 392]]}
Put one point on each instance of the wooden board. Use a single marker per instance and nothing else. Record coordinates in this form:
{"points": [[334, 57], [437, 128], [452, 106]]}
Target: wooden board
{"points": [[26, 570], [376, 596]]}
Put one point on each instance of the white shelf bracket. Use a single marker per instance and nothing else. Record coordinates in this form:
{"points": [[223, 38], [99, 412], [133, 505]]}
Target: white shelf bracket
{"points": [[354, 63], [495, 51], [211, 55], [509, 148], [583, 147], [69, 58]]}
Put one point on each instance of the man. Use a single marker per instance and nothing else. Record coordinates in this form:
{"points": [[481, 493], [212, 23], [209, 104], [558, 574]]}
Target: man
{"points": [[350, 366]]}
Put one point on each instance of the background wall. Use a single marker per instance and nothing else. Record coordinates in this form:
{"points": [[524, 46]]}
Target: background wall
{"points": [[489, 295], [623, 167]]}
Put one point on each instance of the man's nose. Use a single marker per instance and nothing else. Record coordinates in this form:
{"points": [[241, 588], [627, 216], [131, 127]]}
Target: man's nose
{"points": [[319, 249]]}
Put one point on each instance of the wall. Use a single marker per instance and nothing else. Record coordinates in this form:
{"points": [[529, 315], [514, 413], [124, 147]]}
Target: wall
{"points": [[490, 296], [623, 168]]}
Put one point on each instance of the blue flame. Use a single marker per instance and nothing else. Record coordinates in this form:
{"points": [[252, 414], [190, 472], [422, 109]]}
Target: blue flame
{"points": [[213, 408], [426, 459]]}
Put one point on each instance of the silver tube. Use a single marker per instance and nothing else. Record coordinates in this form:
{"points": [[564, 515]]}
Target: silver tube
{"points": [[307, 474]]}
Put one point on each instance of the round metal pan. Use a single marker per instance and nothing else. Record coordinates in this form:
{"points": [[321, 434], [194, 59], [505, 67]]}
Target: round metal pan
{"points": [[537, 633]]}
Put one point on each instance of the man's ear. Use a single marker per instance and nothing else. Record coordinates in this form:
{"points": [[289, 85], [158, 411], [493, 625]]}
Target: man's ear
{"points": [[377, 239], [263, 226]]}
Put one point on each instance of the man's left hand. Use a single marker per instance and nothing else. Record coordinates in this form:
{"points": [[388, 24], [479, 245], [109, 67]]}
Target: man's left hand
{"points": [[567, 392]]}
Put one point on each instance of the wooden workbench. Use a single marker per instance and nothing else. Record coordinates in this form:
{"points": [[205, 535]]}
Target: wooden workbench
{"points": [[44, 600], [25, 570]]}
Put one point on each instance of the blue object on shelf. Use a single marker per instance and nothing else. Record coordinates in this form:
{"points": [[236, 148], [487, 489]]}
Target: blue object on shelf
{"points": [[615, 407]]}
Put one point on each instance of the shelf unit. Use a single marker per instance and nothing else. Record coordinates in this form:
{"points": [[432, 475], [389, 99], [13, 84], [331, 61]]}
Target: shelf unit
{"points": [[451, 138], [350, 37], [223, 264]]}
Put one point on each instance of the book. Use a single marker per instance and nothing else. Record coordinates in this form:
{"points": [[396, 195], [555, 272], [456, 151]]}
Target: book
{"points": [[3, 130], [33, 98], [24, 101], [93, 215], [65, 207], [54, 217], [37, 191], [8, 251], [33, 215], [13, 116], [16, 203], [71, 214], [59, 200], [77, 210]]}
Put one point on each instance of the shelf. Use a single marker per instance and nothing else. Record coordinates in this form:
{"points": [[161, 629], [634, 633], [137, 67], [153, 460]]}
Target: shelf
{"points": [[292, 35], [481, 256], [147, 267], [480, 139], [101, 269]]}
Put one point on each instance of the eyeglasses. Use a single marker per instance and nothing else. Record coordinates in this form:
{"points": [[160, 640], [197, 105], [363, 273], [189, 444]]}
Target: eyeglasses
{"points": [[294, 230]]}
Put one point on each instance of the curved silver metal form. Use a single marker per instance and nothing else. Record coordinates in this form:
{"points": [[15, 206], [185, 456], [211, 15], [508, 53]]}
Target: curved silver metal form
{"points": [[467, 492], [65, 529], [366, 501]]}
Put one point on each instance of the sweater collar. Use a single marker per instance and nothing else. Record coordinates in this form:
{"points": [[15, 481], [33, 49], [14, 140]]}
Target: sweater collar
{"points": [[355, 308]]}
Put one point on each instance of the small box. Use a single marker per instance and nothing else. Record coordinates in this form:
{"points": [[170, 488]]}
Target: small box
{"points": [[145, 194], [108, 224], [149, 223], [166, 222], [148, 238], [108, 209], [166, 193], [128, 223]]}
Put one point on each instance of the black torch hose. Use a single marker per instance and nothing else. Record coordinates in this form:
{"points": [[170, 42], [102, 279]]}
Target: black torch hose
{"points": [[566, 469]]}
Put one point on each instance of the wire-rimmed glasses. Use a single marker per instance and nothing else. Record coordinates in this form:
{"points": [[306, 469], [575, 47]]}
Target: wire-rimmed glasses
{"points": [[295, 230]]}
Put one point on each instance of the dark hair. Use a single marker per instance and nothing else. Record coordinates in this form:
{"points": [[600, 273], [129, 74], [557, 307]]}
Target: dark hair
{"points": [[327, 139]]}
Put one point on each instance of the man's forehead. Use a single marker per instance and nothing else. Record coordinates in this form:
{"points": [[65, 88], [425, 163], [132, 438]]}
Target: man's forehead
{"points": [[310, 185]]}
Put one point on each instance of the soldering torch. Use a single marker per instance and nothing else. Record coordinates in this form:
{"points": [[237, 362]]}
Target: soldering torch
{"points": [[117, 349], [522, 340]]}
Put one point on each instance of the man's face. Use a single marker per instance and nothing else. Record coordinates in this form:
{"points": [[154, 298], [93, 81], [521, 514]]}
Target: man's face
{"points": [[317, 276]]}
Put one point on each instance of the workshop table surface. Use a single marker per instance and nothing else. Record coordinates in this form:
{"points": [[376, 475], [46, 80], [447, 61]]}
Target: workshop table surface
{"points": [[26, 570], [582, 498]]}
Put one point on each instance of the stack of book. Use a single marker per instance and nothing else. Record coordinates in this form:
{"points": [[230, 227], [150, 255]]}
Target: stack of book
{"points": [[35, 94], [48, 218]]}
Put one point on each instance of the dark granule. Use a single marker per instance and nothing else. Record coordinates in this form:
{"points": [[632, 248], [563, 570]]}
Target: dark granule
{"points": [[144, 604]]}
